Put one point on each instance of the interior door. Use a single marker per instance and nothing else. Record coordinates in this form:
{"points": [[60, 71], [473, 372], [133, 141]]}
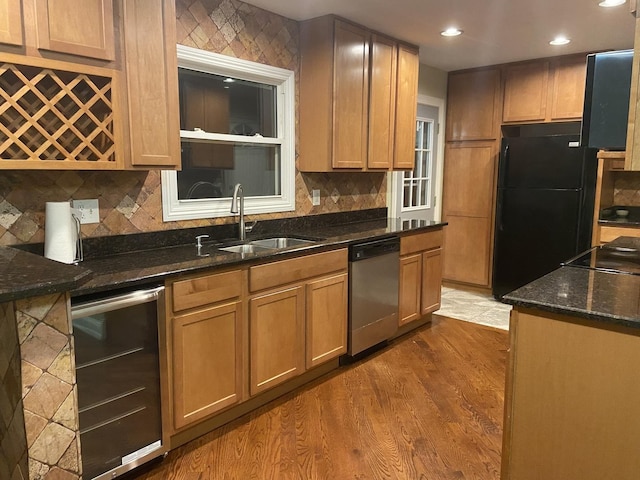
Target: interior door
{"points": [[415, 192]]}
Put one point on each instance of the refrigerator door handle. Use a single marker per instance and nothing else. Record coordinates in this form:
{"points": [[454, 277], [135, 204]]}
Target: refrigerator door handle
{"points": [[502, 166], [499, 201]]}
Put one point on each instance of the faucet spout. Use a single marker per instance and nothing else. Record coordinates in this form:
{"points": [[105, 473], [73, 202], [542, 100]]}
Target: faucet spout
{"points": [[237, 206]]}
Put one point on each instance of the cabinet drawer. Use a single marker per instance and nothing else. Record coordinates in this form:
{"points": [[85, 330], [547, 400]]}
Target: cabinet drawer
{"points": [[420, 242], [199, 291], [296, 269]]}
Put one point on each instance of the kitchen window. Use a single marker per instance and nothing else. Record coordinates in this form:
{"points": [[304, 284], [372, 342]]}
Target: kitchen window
{"points": [[237, 125]]}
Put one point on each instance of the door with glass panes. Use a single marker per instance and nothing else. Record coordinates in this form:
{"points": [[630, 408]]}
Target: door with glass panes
{"points": [[415, 190]]}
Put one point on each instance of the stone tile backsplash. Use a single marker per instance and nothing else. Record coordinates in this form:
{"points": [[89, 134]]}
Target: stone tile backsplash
{"points": [[627, 189], [131, 202]]}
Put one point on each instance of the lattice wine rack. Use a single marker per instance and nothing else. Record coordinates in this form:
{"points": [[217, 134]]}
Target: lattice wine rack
{"points": [[49, 115]]}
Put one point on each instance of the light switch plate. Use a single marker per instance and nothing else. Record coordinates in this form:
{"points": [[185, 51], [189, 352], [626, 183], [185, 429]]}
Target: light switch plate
{"points": [[89, 211], [315, 197]]}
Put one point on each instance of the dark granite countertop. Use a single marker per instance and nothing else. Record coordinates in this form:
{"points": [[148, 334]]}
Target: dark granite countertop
{"points": [[27, 274], [599, 296], [149, 266], [23, 274]]}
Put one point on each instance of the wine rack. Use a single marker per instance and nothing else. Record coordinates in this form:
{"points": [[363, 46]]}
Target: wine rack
{"points": [[51, 118]]}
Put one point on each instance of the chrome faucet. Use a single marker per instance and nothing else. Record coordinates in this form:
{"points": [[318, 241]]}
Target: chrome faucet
{"points": [[238, 197], [237, 192]]}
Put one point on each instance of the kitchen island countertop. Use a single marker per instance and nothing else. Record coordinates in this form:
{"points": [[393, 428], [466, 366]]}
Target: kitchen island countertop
{"points": [[612, 298]]}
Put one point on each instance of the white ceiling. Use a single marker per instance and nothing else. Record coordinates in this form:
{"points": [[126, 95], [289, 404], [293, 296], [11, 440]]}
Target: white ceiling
{"points": [[495, 31]]}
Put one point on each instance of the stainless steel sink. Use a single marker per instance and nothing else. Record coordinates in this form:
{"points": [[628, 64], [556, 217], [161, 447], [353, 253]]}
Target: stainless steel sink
{"points": [[245, 248], [281, 242]]}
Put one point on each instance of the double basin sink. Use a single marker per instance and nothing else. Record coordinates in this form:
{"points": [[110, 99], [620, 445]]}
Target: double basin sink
{"points": [[275, 243]]}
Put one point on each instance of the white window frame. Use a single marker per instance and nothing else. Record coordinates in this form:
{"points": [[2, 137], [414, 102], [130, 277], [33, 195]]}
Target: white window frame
{"points": [[190, 58]]}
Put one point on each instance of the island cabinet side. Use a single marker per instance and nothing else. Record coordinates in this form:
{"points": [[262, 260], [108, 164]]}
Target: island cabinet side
{"points": [[571, 402]]}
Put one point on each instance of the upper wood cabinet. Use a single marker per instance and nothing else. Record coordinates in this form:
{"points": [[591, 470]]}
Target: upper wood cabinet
{"points": [[11, 22], [78, 28], [79, 31], [473, 100], [382, 104], [101, 102], [525, 92], [358, 93], [406, 108], [151, 68], [567, 88], [545, 90]]}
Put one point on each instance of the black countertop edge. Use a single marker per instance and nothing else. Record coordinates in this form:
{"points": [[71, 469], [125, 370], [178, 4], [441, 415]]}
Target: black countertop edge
{"points": [[603, 297], [138, 268], [23, 274]]}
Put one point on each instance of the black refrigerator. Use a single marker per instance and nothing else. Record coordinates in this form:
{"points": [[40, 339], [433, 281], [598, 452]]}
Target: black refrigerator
{"points": [[544, 211]]}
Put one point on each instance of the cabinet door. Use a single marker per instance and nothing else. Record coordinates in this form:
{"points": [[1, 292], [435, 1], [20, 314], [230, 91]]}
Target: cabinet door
{"points": [[206, 360], [525, 92], [406, 108], [431, 280], [351, 96], [326, 320], [79, 28], [10, 22], [469, 179], [382, 102], [410, 281], [467, 242], [473, 102], [567, 94], [276, 332], [152, 83]]}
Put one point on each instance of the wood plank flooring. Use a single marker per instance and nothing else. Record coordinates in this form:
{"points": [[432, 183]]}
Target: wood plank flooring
{"points": [[428, 407]]}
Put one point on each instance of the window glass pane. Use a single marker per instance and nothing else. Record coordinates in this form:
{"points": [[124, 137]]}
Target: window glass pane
{"points": [[219, 104], [424, 200], [414, 193], [210, 170], [424, 166], [419, 133], [426, 140], [406, 197]]}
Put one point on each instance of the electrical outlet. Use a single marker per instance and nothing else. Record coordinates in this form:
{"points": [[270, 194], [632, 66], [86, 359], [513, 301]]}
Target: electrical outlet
{"points": [[89, 211], [315, 197]]}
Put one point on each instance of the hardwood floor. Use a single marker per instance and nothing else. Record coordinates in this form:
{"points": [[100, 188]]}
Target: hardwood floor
{"points": [[428, 407]]}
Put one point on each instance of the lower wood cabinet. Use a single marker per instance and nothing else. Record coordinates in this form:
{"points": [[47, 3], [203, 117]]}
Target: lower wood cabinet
{"points": [[420, 275], [233, 334], [205, 345], [207, 359], [299, 324], [326, 319], [276, 326]]}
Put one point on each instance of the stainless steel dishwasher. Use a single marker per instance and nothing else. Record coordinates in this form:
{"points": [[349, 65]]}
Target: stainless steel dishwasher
{"points": [[118, 376], [373, 293]]}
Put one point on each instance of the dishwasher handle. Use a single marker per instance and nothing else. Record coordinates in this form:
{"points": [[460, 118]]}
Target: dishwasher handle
{"points": [[375, 248], [85, 309]]}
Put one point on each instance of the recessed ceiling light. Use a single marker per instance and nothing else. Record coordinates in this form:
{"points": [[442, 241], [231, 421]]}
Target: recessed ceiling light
{"points": [[612, 3], [559, 40], [229, 80], [451, 32]]}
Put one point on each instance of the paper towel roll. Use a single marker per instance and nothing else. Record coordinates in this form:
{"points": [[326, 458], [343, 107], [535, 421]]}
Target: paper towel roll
{"points": [[60, 232]]}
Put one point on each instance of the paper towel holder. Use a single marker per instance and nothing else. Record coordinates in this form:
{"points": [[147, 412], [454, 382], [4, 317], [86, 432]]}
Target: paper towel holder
{"points": [[79, 253]]}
